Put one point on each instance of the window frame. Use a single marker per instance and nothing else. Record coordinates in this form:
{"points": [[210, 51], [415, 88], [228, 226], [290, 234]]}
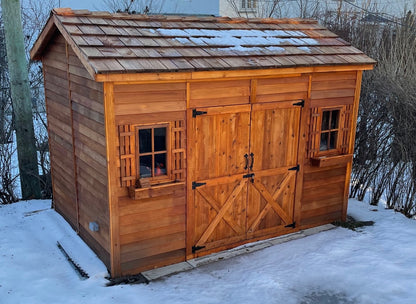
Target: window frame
{"points": [[248, 5], [154, 180], [337, 150]]}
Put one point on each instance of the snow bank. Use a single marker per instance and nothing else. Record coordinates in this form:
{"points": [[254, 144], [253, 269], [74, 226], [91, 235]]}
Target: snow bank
{"points": [[374, 265]]}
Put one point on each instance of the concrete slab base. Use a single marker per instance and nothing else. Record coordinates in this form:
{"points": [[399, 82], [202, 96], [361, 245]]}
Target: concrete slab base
{"points": [[158, 273]]}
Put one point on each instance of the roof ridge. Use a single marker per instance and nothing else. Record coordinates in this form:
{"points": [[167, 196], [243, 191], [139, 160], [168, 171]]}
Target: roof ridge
{"points": [[66, 11]]}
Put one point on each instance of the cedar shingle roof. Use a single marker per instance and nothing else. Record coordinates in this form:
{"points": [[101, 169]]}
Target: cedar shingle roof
{"points": [[122, 43]]}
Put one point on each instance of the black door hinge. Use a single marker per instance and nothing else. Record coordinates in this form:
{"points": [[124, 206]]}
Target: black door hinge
{"points": [[195, 113], [293, 225], [250, 175], [300, 103], [195, 248], [195, 185], [296, 168]]}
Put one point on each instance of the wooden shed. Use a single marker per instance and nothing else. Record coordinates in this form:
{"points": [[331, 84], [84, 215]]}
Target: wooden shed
{"points": [[175, 137]]}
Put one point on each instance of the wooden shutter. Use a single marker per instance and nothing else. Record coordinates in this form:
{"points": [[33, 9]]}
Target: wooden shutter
{"points": [[314, 133], [178, 138], [127, 137], [347, 120]]}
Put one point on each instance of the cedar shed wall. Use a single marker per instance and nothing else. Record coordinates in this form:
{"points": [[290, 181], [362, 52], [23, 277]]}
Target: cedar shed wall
{"points": [[160, 225], [75, 112], [151, 229], [326, 185]]}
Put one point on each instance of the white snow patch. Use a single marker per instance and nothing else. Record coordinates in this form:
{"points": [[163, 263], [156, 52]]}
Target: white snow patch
{"points": [[374, 265], [305, 49], [238, 40], [276, 49]]}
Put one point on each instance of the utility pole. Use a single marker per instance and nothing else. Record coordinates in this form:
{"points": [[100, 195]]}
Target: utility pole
{"points": [[21, 98]]}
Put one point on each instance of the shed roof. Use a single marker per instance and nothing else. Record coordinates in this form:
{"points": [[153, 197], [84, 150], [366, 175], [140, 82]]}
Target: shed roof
{"points": [[122, 43]]}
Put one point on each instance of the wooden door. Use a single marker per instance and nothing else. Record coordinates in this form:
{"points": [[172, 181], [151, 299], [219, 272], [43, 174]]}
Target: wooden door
{"points": [[220, 139], [243, 171], [273, 149]]}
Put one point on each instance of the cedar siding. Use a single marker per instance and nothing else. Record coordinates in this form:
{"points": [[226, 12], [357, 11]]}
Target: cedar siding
{"points": [[77, 144]]}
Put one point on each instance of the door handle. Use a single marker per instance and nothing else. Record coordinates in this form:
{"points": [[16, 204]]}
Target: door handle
{"points": [[252, 160], [246, 157]]}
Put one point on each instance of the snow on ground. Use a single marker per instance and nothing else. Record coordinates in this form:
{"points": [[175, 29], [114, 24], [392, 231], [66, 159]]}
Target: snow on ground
{"points": [[374, 265]]}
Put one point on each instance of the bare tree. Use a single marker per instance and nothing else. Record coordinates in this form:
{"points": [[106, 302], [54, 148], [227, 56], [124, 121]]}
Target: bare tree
{"points": [[135, 6], [4, 85], [385, 154]]}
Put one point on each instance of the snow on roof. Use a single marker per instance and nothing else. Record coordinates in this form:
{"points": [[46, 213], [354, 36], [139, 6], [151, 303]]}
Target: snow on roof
{"points": [[122, 43]]}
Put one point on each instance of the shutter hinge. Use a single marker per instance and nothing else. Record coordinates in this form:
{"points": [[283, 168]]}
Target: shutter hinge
{"points": [[296, 168], [196, 185], [250, 175], [293, 225], [195, 113], [300, 103], [195, 248]]}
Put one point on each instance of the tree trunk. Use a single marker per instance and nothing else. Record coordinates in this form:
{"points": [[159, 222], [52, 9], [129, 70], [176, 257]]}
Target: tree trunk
{"points": [[2, 86], [21, 98]]}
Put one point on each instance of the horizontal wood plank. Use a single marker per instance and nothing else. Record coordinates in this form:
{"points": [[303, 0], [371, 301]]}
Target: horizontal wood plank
{"points": [[150, 117], [152, 247], [152, 233], [331, 102], [217, 93], [333, 93], [163, 259], [282, 97], [334, 84], [149, 107]]}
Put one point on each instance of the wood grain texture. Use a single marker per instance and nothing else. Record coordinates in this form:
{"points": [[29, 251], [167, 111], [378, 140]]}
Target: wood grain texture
{"points": [[77, 145], [323, 194], [149, 98], [90, 153], [152, 227], [282, 88], [351, 140], [59, 128], [230, 142], [219, 93]]}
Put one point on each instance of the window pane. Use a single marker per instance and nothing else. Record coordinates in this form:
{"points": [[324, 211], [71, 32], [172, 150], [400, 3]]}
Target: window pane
{"points": [[334, 119], [324, 142], [145, 140], [333, 140], [325, 120], [146, 166], [160, 139], [160, 164]]}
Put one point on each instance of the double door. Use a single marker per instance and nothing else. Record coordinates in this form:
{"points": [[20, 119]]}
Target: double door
{"points": [[243, 171]]}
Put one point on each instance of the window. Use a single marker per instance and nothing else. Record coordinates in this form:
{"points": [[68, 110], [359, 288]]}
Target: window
{"points": [[329, 130], [248, 4], [329, 133], [154, 151], [152, 155]]}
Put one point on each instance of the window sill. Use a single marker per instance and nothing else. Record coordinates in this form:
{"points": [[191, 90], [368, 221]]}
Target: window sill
{"points": [[328, 161], [155, 191], [247, 10]]}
